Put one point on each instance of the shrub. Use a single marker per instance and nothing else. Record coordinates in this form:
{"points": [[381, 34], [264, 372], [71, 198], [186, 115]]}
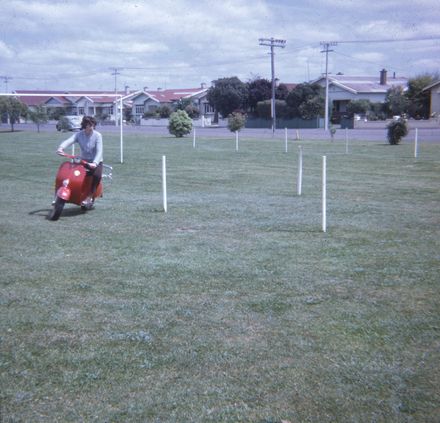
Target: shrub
{"points": [[180, 123], [164, 111], [397, 129], [236, 121]]}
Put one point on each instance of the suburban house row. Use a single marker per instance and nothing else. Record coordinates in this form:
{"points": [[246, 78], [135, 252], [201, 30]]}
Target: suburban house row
{"points": [[342, 90]]}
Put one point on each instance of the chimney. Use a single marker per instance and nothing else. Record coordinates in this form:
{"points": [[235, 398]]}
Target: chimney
{"points": [[126, 89], [145, 88], [383, 77], [203, 85]]}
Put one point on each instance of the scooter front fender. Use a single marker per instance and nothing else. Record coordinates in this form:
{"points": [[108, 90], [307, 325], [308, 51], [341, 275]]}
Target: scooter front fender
{"points": [[64, 193]]}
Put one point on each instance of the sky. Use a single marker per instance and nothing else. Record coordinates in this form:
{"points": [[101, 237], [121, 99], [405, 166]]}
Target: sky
{"points": [[100, 44]]}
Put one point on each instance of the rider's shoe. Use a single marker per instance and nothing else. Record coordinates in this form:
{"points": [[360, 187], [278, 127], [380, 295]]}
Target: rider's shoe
{"points": [[88, 203]]}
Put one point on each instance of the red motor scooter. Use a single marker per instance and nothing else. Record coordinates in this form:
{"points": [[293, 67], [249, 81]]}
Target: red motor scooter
{"points": [[73, 185]]}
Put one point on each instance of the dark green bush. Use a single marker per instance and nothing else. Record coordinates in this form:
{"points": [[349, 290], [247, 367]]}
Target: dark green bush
{"points": [[397, 129]]}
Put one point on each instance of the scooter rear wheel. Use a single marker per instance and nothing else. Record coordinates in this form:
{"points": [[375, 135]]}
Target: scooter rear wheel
{"points": [[57, 209]]}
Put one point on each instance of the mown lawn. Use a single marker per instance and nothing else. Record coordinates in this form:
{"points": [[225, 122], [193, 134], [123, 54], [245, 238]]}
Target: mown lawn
{"points": [[232, 307]]}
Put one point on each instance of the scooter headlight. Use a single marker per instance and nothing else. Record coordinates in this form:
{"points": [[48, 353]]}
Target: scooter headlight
{"points": [[66, 182]]}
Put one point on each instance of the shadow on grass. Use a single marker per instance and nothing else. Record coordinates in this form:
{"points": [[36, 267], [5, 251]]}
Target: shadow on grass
{"points": [[67, 212]]}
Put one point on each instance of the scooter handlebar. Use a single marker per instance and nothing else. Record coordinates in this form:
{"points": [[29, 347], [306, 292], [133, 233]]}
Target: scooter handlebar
{"points": [[76, 158]]}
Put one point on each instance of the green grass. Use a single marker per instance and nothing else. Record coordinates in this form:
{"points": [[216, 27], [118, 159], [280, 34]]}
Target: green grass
{"points": [[232, 307]]}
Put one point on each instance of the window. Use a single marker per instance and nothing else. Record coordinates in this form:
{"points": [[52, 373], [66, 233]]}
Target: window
{"points": [[139, 109], [207, 108], [81, 110]]}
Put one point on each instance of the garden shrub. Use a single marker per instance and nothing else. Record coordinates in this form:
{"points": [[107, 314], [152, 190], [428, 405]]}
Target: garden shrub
{"points": [[180, 123], [236, 121], [397, 129]]}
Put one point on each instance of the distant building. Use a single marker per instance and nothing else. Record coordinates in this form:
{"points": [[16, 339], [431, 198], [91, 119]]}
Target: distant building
{"points": [[345, 88], [101, 104], [434, 89]]}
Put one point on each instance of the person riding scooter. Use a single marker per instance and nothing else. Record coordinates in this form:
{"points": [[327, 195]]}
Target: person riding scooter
{"points": [[90, 143]]}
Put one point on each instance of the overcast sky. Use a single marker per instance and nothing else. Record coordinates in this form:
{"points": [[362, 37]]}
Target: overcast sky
{"points": [[77, 45]]}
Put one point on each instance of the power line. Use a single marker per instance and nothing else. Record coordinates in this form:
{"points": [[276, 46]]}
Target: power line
{"points": [[387, 40]]}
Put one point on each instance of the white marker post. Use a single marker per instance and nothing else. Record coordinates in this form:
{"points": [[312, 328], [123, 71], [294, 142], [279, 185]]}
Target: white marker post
{"points": [[121, 130], [324, 194], [416, 140], [164, 183], [285, 140], [346, 141], [300, 171], [236, 140], [297, 134], [194, 137]]}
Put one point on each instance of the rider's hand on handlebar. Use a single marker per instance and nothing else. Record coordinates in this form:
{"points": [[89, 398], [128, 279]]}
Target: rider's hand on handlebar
{"points": [[92, 165], [60, 152]]}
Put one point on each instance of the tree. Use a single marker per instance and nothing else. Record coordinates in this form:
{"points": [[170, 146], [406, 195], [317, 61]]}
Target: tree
{"points": [[38, 116], [13, 108], [180, 123], [281, 92], [396, 101], [358, 107], [228, 95], [300, 94], [258, 90], [236, 121], [312, 107], [418, 99]]}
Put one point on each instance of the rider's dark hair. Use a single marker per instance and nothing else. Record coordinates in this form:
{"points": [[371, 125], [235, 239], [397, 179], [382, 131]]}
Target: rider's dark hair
{"points": [[88, 120]]}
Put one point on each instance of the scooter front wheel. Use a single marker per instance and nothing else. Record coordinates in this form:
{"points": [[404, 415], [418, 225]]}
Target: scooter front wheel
{"points": [[57, 209]]}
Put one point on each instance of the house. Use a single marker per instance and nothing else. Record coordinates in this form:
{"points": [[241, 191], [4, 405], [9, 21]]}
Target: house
{"points": [[101, 104], [95, 103], [434, 89], [147, 101], [343, 89]]}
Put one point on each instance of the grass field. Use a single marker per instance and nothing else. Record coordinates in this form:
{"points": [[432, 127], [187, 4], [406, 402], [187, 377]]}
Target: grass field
{"points": [[232, 307]]}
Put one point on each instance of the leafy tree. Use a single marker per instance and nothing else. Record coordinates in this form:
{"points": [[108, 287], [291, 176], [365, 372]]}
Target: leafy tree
{"points": [[13, 108], [396, 101], [418, 99], [258, 90], [358, 107], [180, 123], [164, 111], [228, 95], [312, 107], [193, 111], [236, 121], [300, 94], [281, 92], [397, 129], [38, 116]]}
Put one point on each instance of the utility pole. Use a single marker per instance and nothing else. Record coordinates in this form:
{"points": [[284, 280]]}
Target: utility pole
{"points": [[326, 45], [6, 79], [272, 43], [116, 73]]}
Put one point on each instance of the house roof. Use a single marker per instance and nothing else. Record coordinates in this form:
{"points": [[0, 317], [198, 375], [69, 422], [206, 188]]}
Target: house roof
{"points": [[71, 97], [364, 84], [170, 95], [431, 86], [64, 97]]}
